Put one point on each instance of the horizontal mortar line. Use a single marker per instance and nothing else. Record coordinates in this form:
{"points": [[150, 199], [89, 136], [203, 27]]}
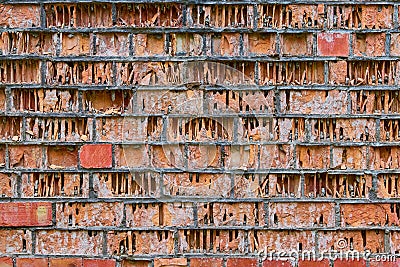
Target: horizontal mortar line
{"points": [[194, 29], [185, 87], [205, 2], [162, 58], [188, 59]]}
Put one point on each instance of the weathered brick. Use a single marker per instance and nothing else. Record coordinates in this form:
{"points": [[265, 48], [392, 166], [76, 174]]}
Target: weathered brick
{"points": [[276, 156], [369, 214], [75, 44], [111, 44], [89, 214], [54, 184], [149, 44], [96, 156], [140, 242], [197, 184], [309, 157], [369, 44], [25, 214], [154, 214], [296, 44], [225, 44], [8, 185], [352, 240], [59, 157], [290, 240], [216, 240], [76, 242], [19, 16], [15, 241], [78, 15], [25, 156], [134, 156], [230, 214], [349, 157], [259, 44], [132, 184], [309, 215], [314, 102]]}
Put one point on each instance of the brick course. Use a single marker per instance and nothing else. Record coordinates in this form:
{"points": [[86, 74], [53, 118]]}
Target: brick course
{"points": [[200, 133]]}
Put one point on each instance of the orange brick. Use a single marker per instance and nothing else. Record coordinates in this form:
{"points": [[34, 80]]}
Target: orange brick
{"points": [[23, 16], [31, 262], [6, 262], [63, 262], [176, 262], [206, 262], [237, 262]]}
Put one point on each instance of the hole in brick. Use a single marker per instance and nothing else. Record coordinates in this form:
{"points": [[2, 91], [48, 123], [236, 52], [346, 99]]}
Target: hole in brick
{"points": [[78, 15], [220, 15], [291, 73]]}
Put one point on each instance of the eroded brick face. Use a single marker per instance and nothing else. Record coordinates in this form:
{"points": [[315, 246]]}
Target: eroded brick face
{"points": [[198, 133]]}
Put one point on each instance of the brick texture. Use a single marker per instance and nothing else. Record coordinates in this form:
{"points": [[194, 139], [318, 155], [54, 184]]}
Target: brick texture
{"points": [[198, 133]]}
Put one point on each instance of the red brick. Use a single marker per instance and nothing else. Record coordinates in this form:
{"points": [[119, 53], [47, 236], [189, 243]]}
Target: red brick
{"points": [[66, 262], [375, 263], [369, 44], [32, 262], [25, 156], [62, 157], [333, 44], [23, 16], [167, 262], [297, 44], [306, 263], [7, 262], [259, 44], [25, 214], [96, 156], [357, 240], [369, 214], [292, 215], [99, 263], [135, 263], [89, 214], [239, 262], [206, 262], [350, 263], [280, 263]]}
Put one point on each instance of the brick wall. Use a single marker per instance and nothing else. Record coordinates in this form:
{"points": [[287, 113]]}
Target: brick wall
{"points": [[198, 134]]}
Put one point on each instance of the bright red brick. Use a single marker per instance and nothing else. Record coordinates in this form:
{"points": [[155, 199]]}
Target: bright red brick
{"points": [[206, 262], [98, 263], [382, 263], [268, 263], [241, 262], [32, 262], [66, 262], [96, 156], [333, 44], [306, 263], [25, 214], [350, 263]]}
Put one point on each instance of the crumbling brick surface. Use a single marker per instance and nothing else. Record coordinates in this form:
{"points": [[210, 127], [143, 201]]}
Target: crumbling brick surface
{"points": [[198, 133]]}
